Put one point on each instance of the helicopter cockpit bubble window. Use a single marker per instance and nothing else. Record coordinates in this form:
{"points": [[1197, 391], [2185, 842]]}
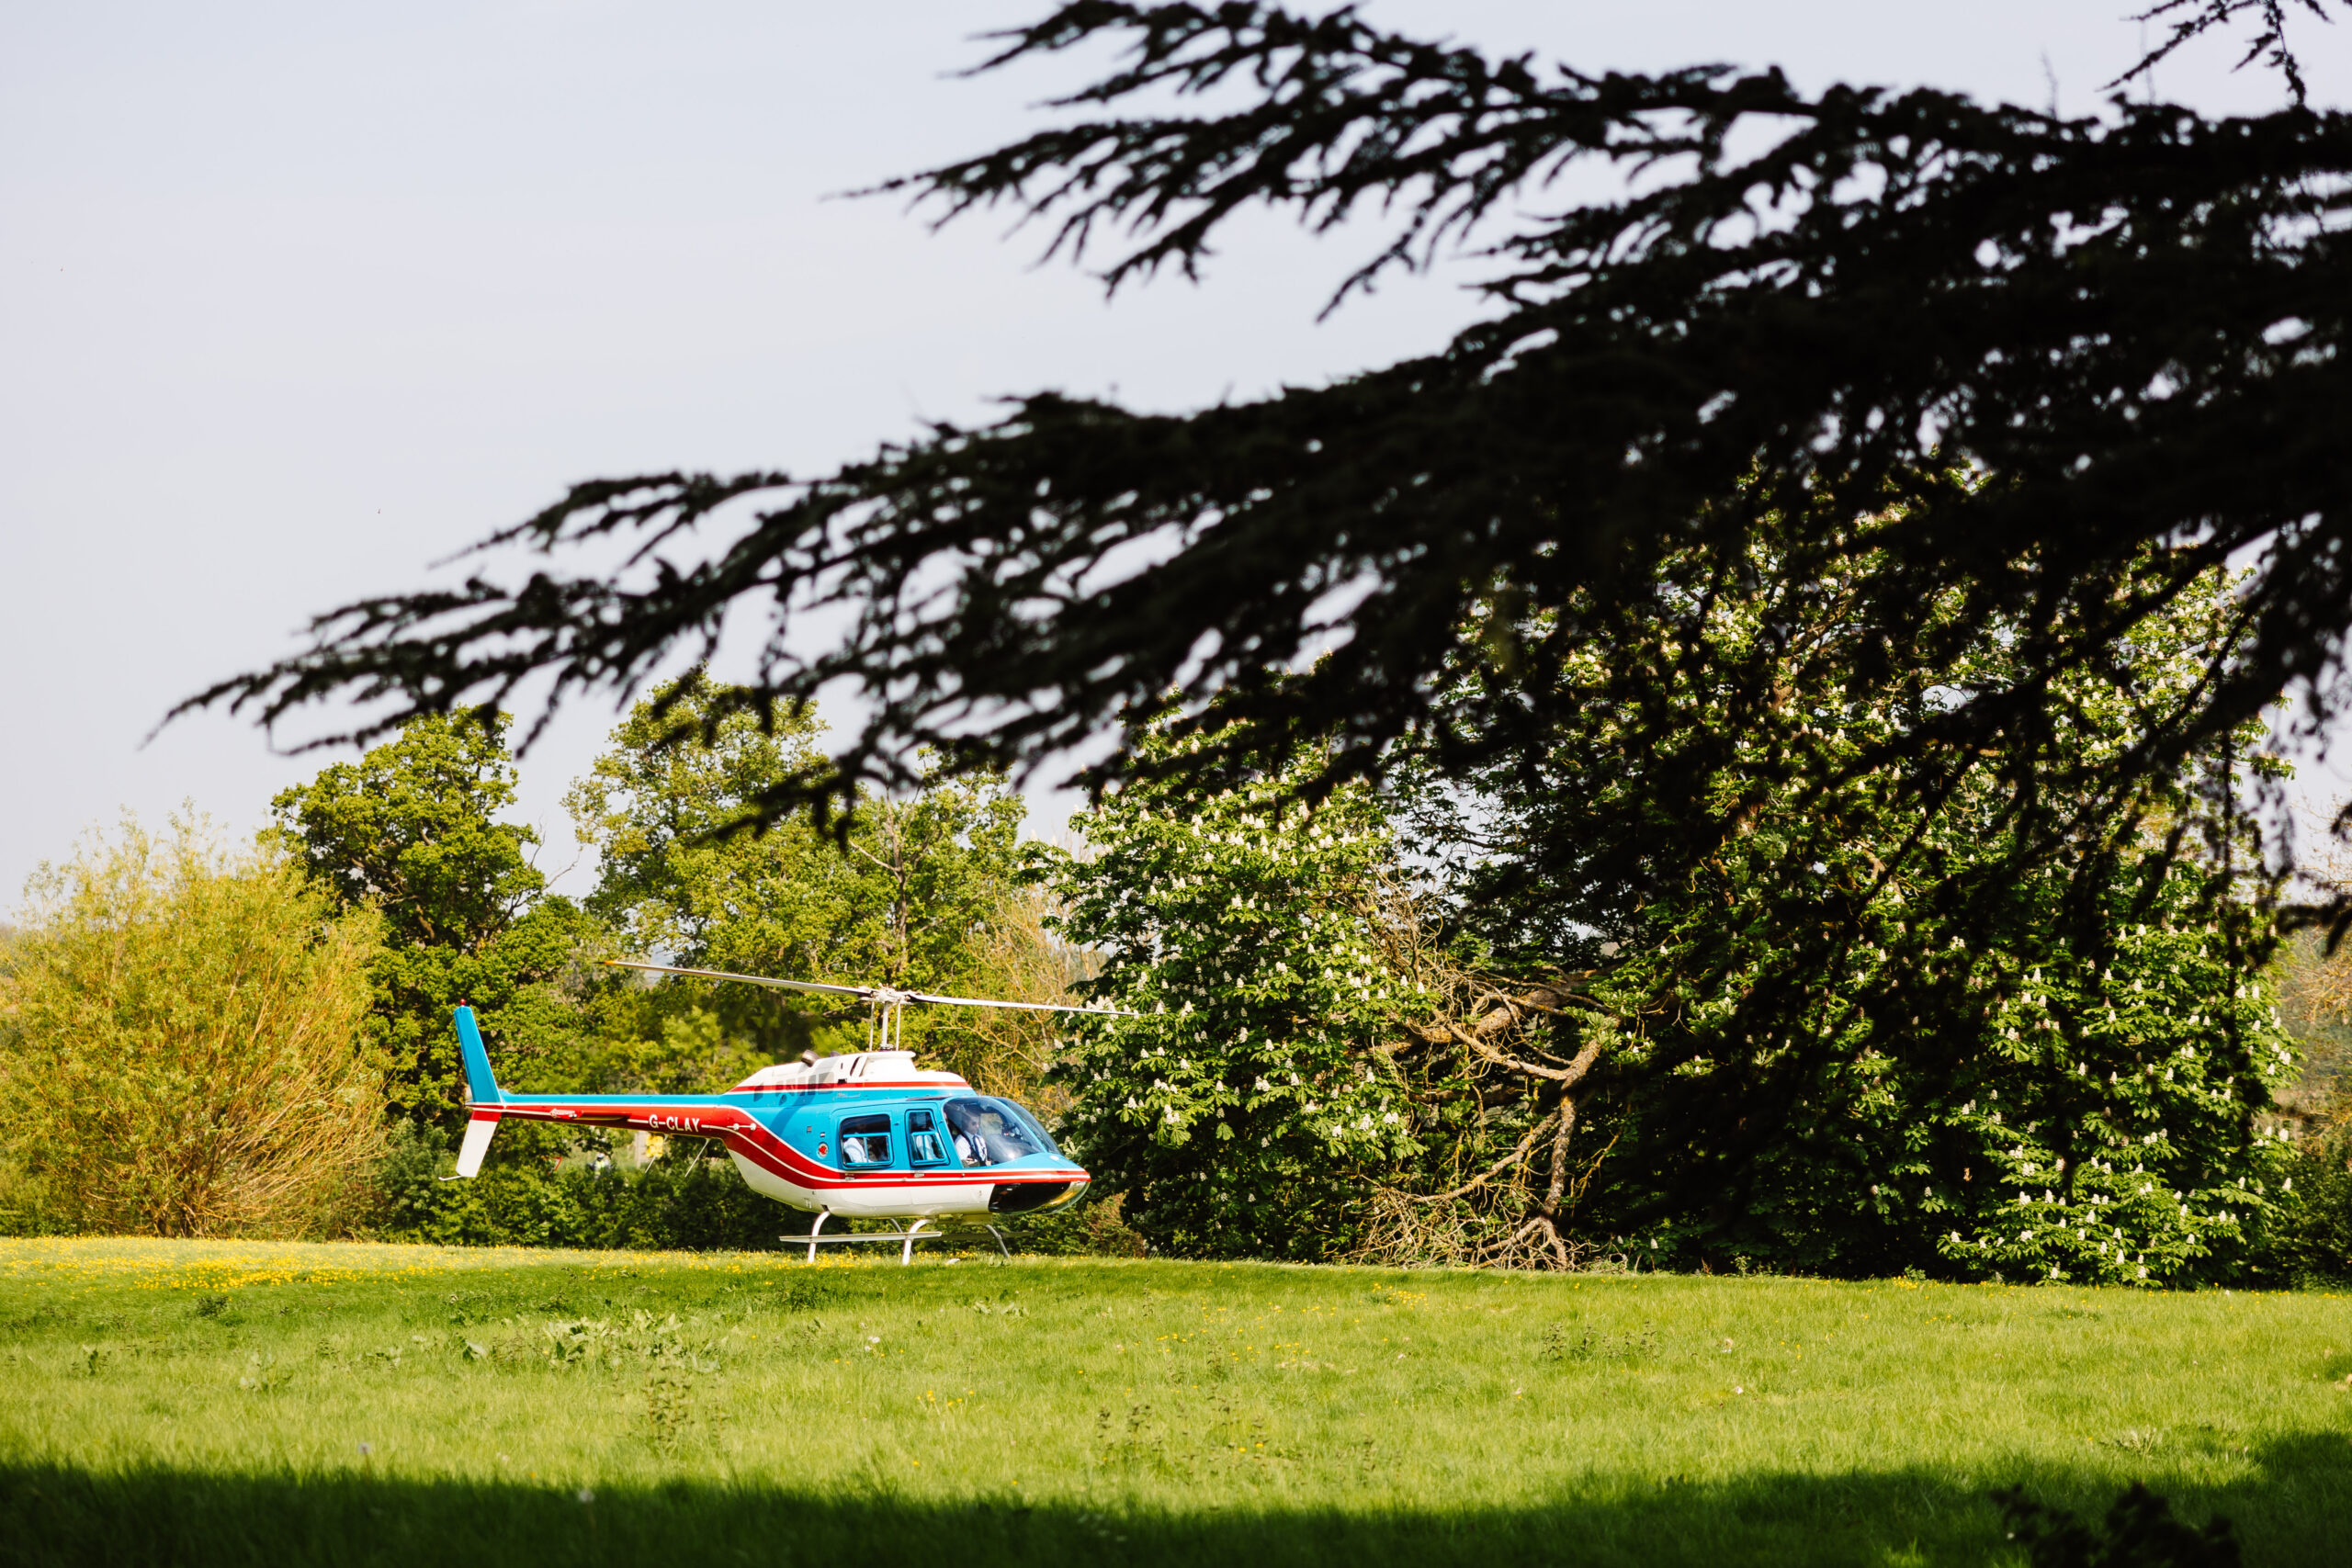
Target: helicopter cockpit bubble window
{"points": [[990, 1132], [1029, 1119], [866, 1141]]}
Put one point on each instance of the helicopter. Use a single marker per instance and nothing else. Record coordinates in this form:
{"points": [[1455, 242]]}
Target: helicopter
{"points": [[865, 1134]]}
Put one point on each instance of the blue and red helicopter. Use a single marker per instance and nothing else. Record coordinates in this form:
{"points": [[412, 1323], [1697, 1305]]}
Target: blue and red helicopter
{"points": [[863, 1135]]}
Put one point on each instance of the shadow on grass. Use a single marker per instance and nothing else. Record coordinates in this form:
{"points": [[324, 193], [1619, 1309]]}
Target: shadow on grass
{"points": [[2292, 1505]]}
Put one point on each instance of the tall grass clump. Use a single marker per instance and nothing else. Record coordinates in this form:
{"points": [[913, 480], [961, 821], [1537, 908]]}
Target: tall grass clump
{"points": [[180, 1049]]}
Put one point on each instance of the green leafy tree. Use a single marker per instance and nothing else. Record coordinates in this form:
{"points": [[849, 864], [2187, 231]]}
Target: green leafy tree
{"points": [[1829, 1058], [919, 892], [412, 829], [414, 826], [180, 1042], [1256, 1092], [2078, 1096]]}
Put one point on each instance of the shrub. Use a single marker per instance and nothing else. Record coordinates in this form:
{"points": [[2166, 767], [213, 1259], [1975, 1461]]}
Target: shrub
{"points": [[1096, 1228], [2315, 1242], [24, 1199], [526, 1197], [179, 1042]]}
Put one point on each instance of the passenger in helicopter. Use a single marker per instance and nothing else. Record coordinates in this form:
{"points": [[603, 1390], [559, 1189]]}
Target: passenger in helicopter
{"points": [[866, 1141], [922, 1139]]}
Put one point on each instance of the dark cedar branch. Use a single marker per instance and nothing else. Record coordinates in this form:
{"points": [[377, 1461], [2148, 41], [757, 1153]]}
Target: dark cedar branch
{"points": [[2132, 328], [2188, 20]]}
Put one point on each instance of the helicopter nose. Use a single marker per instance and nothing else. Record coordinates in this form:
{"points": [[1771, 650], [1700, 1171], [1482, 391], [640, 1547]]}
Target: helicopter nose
{"points": [[1031, 1197]]}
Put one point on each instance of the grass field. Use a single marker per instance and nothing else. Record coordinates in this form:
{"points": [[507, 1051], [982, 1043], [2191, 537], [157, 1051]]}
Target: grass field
{"points": [[224, 1403]]}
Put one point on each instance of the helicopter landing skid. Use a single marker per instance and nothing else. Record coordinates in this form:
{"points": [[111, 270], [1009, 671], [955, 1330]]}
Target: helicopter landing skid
{"points": [[908, 1237]]}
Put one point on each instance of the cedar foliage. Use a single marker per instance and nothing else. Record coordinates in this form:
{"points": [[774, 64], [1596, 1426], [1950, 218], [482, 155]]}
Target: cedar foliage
{"points": [[2131, 325], [180, 1048]]}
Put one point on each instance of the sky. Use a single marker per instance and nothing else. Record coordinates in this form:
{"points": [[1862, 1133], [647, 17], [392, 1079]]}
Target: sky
{"points": [[298, 301]]}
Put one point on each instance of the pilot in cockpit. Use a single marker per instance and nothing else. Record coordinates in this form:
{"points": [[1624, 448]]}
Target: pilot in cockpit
{"points": [[988, 1133]]}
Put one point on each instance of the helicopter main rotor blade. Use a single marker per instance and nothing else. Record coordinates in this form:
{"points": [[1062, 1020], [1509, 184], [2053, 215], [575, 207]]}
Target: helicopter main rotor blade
{"points": [[1025, 1007], [863, 993]]}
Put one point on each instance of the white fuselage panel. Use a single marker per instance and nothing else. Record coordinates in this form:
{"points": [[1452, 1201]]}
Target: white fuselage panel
{"points": [[880, 1199]]}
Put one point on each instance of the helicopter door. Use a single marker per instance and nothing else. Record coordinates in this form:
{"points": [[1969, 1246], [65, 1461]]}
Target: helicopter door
{"points": [[865, 1143], [925, 1146]]}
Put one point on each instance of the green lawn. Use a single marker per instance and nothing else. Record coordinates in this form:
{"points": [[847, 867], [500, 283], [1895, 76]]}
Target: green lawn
{"points": [[225, 1403]]}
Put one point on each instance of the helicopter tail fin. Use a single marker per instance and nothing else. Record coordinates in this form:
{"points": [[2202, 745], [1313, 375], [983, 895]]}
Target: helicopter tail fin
{"points": [[482, 1089]]}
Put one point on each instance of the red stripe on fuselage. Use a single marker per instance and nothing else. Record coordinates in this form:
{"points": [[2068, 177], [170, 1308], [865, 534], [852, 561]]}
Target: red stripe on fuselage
{"points": [[745, 1135]]}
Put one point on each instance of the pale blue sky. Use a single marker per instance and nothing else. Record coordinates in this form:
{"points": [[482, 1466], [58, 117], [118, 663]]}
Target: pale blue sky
{"points": [[301, 298]]}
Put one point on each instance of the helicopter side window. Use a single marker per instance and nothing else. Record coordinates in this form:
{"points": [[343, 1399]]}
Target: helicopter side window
{"points": [[988, 1132], [866, 1141], [924, 1146]]}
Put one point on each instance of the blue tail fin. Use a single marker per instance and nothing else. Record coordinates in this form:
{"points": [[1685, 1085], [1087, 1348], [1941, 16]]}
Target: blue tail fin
{"points": [[482, 1088]]}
